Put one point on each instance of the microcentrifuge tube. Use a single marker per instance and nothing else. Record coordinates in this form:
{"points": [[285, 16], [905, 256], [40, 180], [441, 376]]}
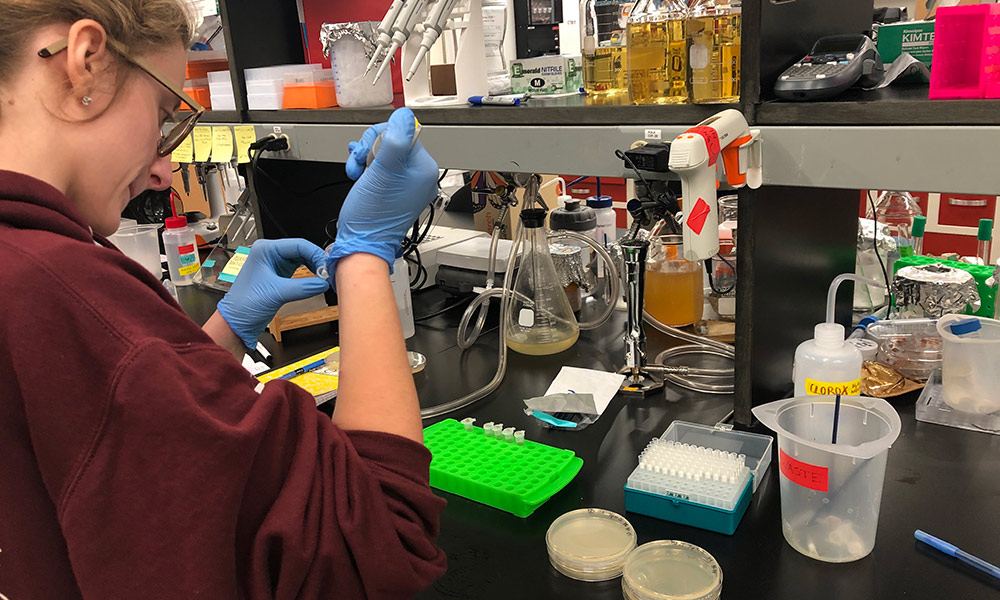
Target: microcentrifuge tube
{"points": [[488, 429], [467, 422], [508, 434], [519, 437]]}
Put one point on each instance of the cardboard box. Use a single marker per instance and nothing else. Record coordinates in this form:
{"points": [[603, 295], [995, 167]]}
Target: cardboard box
{"points": [[915, 37], [546, 75]]}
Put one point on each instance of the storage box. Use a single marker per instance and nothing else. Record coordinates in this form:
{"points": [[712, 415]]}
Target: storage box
{"points": [[546, 75], [914, 37], [966, 53]]}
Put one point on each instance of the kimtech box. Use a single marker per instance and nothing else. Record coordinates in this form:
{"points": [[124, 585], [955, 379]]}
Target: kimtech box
{"points": [[914, 37]]}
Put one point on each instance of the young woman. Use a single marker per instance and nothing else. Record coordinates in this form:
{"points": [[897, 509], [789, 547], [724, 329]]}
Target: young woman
{"points": [[137, 458]]}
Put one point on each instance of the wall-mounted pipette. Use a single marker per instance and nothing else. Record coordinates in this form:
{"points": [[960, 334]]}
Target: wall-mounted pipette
{"points": [[435, 22], [384, 32], [401, 30]]}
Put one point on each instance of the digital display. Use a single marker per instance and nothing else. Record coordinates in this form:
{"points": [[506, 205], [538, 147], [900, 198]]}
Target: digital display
{"points": [[829, 45]]}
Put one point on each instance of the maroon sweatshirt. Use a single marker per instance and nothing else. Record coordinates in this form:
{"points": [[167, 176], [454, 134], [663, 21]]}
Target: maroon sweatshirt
{"points": [[137, 459]]}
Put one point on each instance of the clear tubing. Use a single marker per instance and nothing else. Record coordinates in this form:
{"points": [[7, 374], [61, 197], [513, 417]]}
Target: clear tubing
{"points": [[688, 377]]}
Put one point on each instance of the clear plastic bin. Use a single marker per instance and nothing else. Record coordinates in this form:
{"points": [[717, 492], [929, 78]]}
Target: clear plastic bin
{"points": [[911, 346], [354, 90], [223, 102], [831, 492], [970, 377]]}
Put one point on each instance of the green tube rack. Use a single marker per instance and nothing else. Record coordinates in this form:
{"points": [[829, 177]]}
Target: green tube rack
{"points": [[516, 478]]}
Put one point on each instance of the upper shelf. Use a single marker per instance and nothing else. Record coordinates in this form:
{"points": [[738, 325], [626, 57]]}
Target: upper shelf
{"points": [[896, 105]]}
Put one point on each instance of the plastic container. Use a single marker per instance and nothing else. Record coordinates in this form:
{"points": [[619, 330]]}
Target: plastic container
{"points": [[348, 59], [197, 89], [602, 37], [966, 52], [590, 544], [574, 216], [309, 89], [140, 243], [664, 493], [931, 408], [181, 250], [714, 33], [827, 364], [266, 85], [831, 493], [657, 52], [511, 476], [671, 570], [911, 346], [970, 377], [606, 231]]}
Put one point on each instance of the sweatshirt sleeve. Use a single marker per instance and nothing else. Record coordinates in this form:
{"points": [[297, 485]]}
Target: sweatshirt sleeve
{"points": [[202, 484]]}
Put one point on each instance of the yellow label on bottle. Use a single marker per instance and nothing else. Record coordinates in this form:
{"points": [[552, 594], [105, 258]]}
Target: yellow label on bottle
{"points": [[192, 268], [825, 388]]}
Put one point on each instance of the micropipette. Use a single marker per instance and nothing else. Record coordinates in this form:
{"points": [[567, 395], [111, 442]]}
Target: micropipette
{"points": [[432, 30], [378, 142], [384, 31], [401, 30]]}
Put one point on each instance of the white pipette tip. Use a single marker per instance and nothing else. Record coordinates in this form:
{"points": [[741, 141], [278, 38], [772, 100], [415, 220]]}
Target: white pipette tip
{"points": [[373, 60], [416, 62], [385, 63]]}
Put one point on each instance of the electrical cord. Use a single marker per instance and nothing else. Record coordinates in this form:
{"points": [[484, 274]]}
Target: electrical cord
{"points": [[669, 200], [885, 272], [711, 281], [442, 311]]}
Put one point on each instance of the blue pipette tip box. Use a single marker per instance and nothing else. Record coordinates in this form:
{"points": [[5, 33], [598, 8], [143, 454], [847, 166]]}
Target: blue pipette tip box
{"points": [[720, 510]]}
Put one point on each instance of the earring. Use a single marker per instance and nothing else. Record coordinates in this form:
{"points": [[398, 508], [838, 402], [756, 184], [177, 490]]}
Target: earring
{"points": [[85, 100]]}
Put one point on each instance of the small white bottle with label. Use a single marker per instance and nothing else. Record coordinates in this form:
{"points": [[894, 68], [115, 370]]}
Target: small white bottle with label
{"points": [[827, 364], [181, 250]]}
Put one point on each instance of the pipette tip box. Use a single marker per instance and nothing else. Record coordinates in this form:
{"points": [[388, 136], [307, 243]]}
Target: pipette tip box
{"points": [[516, 476], [699, 475]]}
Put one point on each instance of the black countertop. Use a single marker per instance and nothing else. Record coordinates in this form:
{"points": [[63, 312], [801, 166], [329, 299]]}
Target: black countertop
{"points": [[945, 481]]}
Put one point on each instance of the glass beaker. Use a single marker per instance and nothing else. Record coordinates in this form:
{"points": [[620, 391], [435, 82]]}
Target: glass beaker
{"points": [[602, 32], [897, 210], [540, 320], [657, 52], [673, 293]]}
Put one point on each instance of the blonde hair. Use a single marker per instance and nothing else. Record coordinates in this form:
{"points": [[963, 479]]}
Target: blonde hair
{"points": [[140, 26]]}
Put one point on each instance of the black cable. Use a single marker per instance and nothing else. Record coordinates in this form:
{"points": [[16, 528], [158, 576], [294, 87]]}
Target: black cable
{"points": [[254, 169], [443, 175], [711, 282], [440, 312], [885, 272], [672, 205]]}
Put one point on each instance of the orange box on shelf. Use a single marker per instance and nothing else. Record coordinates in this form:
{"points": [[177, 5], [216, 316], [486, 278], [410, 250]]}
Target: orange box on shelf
{"points": [[309, 89], [199, 69], [200, 94]]}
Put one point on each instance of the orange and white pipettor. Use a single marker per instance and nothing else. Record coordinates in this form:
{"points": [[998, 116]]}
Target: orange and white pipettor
{"points": [[694, 155]]}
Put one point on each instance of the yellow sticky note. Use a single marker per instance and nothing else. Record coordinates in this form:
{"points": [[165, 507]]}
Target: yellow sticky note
{"points": [[222, 144], [185, 152], [202, 143], [245, 135]]}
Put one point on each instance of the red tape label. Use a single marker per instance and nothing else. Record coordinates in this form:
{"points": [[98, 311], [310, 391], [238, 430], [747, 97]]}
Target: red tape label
{"points": [[711, 137], [804, 474], [185, 249], [699, 214]]}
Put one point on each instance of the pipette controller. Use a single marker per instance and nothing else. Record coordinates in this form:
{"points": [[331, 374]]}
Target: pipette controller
{"points": [[435, 22]]}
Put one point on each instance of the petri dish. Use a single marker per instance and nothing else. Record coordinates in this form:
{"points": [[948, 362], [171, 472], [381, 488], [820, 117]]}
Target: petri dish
{"points": [[671, 570], [590, 544]]}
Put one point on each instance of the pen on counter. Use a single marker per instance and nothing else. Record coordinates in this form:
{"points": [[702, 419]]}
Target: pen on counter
{"points": [[494, 101], [305, 369], [961, 555]]}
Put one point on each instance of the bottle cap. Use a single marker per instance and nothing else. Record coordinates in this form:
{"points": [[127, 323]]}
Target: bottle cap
{"points": [[599, 201], [965, 326], [533, 218], [919, 224], [829, 335], [176, 222], [985, 230], [573, 217]]}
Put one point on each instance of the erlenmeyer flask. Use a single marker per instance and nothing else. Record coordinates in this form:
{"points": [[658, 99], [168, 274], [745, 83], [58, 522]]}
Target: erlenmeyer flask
{"points": [[540, 319]]}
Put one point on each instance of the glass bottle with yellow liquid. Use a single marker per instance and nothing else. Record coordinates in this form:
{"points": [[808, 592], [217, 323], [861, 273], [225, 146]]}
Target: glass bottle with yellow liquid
{"points": [[602, 33], [657, 52], [713, 31], [673, 294]]}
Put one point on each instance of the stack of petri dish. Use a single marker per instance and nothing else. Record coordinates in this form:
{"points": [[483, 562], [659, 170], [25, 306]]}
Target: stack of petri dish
{"points": [[590, 544], [671, 570]]}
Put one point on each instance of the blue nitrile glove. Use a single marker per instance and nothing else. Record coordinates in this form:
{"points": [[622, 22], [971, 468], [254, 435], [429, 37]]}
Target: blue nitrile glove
{"points": [[389, 195], [264, 285]]}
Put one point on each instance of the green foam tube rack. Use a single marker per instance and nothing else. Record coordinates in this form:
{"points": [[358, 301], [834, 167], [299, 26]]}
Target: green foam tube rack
{"points": [[513, 476]]}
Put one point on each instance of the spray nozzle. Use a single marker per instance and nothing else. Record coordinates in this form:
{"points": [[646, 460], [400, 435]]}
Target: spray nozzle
{"points": [[831, 296]]}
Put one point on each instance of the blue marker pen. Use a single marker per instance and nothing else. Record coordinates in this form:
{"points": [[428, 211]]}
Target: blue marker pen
{"points": [[494, 101]]}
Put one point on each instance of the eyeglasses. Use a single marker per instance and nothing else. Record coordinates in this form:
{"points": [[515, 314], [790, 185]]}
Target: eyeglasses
{"points": [[173, 138]]}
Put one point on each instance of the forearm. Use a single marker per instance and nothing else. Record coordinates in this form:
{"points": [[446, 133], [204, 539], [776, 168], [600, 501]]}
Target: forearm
{"points": [[223, 335], [376, 390]]}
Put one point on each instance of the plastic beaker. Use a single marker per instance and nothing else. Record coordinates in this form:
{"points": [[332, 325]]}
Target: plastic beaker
{"points": [[674, 294], [970, 381], [141, 244], [831, 493], [348, 59]]}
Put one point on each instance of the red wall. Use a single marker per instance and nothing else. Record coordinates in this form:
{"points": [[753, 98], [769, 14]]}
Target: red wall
{"points": [[318, 12]]}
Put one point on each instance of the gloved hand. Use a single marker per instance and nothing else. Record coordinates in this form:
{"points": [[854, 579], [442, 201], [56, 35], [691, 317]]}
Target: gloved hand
{"points": [[264, 285], [389, 195]]}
